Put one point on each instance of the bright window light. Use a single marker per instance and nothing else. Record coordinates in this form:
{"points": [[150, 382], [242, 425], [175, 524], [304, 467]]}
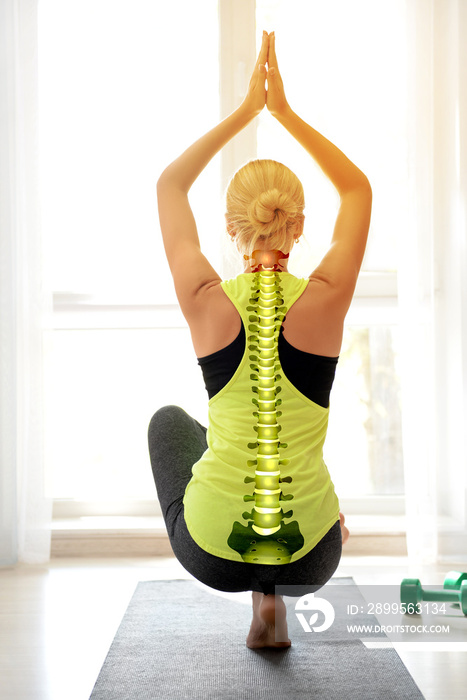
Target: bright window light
{"points": [[344, 69], [121, 84]]}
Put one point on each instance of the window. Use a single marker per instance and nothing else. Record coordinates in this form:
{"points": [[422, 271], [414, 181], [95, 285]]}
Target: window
{"points": [[344, 66], [115, 82], [116, 85], [364, 442], [119, 100], [106, 384], [350, 84]]}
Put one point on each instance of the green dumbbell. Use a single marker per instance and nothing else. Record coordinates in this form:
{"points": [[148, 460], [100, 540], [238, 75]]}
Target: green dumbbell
{"points": [[453, 580], [413, 593]]}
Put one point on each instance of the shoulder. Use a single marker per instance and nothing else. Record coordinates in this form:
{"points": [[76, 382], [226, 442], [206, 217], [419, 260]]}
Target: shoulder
{"points": [[314, 323], [213, 319], [209, 295], [213, 301], [330, 291]]}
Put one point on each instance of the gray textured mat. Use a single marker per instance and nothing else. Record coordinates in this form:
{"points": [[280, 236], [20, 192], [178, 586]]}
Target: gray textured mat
{"points": [[181, 641]]}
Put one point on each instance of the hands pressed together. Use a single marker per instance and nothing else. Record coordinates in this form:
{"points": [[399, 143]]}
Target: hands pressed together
{"points": [[257, 96]]}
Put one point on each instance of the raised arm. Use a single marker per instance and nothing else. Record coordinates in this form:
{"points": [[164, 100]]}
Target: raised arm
{"points": [[341, 265], [191, 271]]}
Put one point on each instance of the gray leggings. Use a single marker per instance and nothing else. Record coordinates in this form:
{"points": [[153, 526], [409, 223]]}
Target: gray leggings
{"points": [[176, 442]]}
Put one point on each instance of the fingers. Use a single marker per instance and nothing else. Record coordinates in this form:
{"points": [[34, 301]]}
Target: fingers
{"points": [[272, 59], [263, 52], [255, 99]]}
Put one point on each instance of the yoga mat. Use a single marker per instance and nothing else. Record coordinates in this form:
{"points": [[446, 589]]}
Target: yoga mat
{"points": [[180, 640]]}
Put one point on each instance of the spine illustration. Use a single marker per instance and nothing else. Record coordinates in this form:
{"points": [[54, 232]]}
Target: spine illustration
{"points": [[267, 539]]}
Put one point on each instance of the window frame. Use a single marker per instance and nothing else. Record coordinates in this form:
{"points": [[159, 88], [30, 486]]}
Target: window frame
{"points": [[375, 301]]}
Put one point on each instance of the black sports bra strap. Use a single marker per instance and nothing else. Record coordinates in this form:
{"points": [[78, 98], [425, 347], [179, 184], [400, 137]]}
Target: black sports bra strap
{"points": [[312, 375]]}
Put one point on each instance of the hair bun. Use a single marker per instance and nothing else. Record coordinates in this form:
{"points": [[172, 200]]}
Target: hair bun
{"points": [[271, 210], [264, 201]]}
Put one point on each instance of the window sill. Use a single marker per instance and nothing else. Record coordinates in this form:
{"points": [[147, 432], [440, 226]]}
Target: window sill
{"points": [[110, 536], [115, 524], [367, 525], [147, 536]]}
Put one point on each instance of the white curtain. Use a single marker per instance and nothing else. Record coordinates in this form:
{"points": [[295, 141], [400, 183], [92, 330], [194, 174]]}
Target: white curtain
{"points": [[25, 511], [433, 284]]}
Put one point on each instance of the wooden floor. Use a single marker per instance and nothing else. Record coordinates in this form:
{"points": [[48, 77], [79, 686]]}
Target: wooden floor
{"points": [[58, 621]]}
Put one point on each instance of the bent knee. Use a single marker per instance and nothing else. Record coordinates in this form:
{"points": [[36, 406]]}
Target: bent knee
{"points": [[163, 419]]}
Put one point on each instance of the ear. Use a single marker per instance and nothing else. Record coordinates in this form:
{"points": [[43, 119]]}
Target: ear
{"points": [[230, 229], [299, 229]]}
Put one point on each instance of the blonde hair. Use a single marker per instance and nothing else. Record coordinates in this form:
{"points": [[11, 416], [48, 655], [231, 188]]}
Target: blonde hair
{"points": [[264, 199]]}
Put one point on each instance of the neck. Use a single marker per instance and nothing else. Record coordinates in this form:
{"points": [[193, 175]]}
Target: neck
{"points": [[266, 260]]}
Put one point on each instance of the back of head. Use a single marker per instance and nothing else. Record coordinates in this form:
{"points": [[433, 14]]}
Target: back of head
{"points": [[265, 202]]}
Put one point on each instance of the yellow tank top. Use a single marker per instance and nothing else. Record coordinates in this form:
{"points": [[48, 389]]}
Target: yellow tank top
{"points": [[261, 493]]}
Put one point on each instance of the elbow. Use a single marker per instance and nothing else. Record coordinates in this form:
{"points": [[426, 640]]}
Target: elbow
{"points": [[368, 193], [360, 189], [358, 185], [168, 177], [162, 181], [366, 186], [363, 185], [169, 180]]}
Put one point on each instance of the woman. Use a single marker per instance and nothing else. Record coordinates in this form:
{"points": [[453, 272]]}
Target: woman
{"points": [[268, 345]]}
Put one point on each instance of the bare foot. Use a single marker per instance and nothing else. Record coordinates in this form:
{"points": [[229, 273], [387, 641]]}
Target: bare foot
{"points": [[344, 529], [269, 624]]}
